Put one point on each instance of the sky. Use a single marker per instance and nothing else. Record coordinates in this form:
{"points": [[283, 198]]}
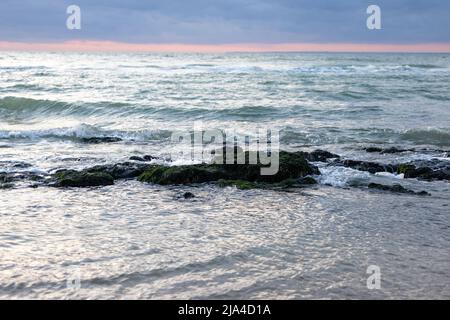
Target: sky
{"points": [[209, 25]]}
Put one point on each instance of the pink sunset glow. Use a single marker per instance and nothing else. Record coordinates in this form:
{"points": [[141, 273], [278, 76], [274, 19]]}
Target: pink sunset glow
{"points": [[109, 46]]}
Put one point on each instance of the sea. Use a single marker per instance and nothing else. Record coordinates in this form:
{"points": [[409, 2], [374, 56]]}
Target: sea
{"points": [[133, 240]]}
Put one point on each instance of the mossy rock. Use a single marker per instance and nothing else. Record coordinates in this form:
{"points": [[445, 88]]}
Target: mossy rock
{"points": [[424, 173], [292, 165], [405, 169], [181, 174], [82, 179]]}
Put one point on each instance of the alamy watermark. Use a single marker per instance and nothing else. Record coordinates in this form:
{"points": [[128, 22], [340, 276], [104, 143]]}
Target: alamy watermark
{"points": [[374, 280], [73, 21], [374, 20], [260, 146]]}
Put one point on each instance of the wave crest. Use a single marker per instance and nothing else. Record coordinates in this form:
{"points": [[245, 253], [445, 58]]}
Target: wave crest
{"points": [[86, 131]]}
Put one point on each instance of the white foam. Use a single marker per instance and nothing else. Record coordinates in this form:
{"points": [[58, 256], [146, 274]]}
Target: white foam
{"points": [[341, 176], [82, 131], [390, 175]]}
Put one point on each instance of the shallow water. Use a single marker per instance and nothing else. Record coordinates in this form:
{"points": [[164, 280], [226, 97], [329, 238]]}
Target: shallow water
{"points": [[133, 240]]}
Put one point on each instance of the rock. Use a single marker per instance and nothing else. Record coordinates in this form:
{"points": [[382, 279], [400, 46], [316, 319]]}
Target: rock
{"points": [[397, 189], [428, 170], [424, 172], [6, 185], [390, 150], [20, 176], [188, 195], [222, 154], [149, 158], [291, 165], [5, 178], [410, 171], [97, 140], [320, 156], [164, 175], [125, 170], [307, 181], [82, 179], [371, 167], [373, 149], [146, 158]]}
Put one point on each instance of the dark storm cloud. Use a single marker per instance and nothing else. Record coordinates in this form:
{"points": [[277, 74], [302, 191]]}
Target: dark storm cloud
{"points": [[226, 21]]}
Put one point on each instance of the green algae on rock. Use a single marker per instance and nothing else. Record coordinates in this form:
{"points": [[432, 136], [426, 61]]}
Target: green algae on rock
{"points": [[292, 165], [82, 179]]}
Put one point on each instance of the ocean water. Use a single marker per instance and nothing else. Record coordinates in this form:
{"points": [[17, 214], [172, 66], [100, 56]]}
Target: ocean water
{"points": [[134, 240]]}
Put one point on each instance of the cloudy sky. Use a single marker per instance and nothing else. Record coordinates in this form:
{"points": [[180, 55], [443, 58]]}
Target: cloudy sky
{"points": [[224, 22]]}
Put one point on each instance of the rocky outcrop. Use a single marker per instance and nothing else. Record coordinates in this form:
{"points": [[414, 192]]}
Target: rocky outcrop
{"points": [[396, 188], [390, 150], [424, 172], [145, 158], [82, 179], [292, 165], [125, 170], [320, 156], [372, 167]]}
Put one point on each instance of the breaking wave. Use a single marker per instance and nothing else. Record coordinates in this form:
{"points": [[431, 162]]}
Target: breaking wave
{"points": [[86, 131]]}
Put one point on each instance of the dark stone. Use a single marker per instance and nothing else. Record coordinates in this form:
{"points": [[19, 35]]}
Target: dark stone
{"points": [[373, 149], [6, 185], [82, 179], [320, 156], [390, 150], [19, 176], [397, 189], [428, 170], [371, 167], [97, 140], [149, 158], [5, 178], [125, 170], [182, 175], [424, 172], [146, 158], [188, 195], [291, 166]]}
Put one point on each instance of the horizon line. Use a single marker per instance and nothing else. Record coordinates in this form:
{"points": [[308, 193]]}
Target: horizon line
{"points": [[112, 46]]}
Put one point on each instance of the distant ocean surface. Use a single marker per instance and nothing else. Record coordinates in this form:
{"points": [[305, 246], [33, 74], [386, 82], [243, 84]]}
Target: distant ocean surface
{"points": [[133, 240]]}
